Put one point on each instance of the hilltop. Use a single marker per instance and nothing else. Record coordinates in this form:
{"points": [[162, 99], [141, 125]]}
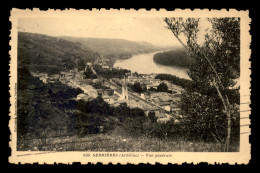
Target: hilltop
{"points": [[50, 54], [115, 48]]}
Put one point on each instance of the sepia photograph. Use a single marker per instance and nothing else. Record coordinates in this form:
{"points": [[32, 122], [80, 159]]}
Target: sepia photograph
{"points": [[143, 85]]}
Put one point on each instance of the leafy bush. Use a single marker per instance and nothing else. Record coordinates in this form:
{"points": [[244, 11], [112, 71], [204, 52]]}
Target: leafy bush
{"points": [[95, 116], [88, 123], [41, 107], [210, 122]]}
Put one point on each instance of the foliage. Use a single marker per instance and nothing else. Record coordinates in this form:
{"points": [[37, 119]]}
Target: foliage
{"points": [[162, 87], [136, 87], [115, 48], [177, 57], [96, 113], [174, 79], [153, 89], [93, 123], [110, 73], [43, 108], [89, 74], [50, 110], [81, 65], [134, 124], [210, 99], [202, 124], [50, 55], [152, 117]]}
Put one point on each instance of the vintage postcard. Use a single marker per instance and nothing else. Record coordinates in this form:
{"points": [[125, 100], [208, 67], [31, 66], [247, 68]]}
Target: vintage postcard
{"points": [[130, 86]]}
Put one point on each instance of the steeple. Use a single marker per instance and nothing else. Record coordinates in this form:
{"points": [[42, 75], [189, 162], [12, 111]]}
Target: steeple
{"points": [[124, 90]]}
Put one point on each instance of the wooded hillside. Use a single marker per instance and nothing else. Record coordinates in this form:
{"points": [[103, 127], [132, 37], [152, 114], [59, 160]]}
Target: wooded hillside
{"points": [[177, 57], [50, 54], [115, 48]]}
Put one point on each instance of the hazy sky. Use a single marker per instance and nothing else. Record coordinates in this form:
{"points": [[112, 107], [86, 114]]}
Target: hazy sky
{"points": [[149, 29]]}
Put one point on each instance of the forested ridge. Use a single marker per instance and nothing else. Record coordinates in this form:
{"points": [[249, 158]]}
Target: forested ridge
{"points": [[108, 46], [50, 54], [115, 48], [177, 57]]}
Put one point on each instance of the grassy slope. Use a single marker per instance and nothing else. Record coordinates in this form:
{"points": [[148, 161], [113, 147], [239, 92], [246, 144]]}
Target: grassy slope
{"points": [[117, 141]]}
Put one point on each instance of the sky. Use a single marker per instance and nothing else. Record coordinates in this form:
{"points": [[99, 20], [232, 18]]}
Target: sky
{"points": [[148, 29]]}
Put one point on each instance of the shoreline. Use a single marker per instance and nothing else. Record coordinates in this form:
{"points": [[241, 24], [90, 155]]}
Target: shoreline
{"points": [[144, 64], [172, 58]]}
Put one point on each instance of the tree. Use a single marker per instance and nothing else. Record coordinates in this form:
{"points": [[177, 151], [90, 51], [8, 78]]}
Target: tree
{"points": [[207, 103], [152, 117], [174, 79], [162, 87], [98, 105], [89, 74], [81, 65], [137, 87]]}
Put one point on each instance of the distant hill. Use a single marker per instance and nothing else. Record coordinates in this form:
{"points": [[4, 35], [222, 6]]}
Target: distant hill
{"points": [[50, 54], [44, 53], [177, 57], [115, 48]]}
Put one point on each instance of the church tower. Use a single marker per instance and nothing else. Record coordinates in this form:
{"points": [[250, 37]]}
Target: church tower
{"points": [[124, 90]]}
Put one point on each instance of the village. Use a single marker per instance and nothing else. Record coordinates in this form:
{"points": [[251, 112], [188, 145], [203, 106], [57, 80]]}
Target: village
{"points": [[115, 91]]}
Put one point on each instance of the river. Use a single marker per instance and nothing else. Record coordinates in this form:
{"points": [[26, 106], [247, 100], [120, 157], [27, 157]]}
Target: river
{"points": [[144, 64]]}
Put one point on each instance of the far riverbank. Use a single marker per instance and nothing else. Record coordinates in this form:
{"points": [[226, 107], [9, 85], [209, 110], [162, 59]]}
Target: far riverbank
{"points": [[144, 64], [173, 58]]}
